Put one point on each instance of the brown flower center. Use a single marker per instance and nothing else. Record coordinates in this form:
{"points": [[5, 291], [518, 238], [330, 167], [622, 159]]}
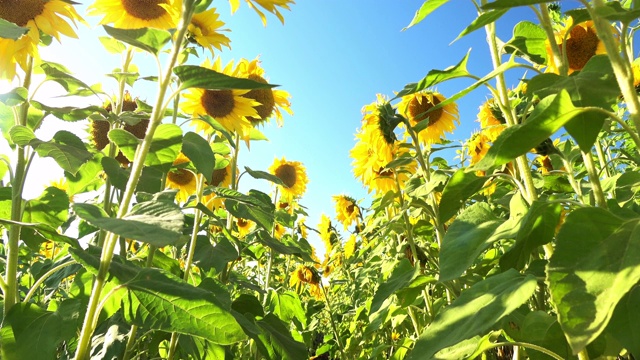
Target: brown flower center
{"points": [[384, 172], [416, 110], [218, 176], [20, 12], [264, 97], [218, 103], [581, 46], [180, 176], [350, 209], [144, 9], [139, 130], [242, 222], [99, 131], [287, 173]]}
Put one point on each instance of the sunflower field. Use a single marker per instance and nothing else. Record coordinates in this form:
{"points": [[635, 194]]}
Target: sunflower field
{"points": [[523, 243]]}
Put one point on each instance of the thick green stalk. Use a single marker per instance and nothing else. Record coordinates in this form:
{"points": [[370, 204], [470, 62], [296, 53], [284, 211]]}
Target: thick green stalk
{"points": [[44, 277], [333, 323], [594, 179], [91, 317], [11, 281]]}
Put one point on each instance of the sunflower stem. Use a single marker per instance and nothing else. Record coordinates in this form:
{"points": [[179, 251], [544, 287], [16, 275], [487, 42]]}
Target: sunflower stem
{"points": [[594, 179], [270, 261], [545, 20], [333, 323], [621, 68], [44, 277], [91, 317], [11, 295]]}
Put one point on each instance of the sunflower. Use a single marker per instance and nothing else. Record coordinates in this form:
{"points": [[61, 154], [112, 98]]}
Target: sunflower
{"points": [[244, 226], [63, 185], [204, 29], [635, 68], [268, 5], [491, 120], [271, 101], [327, 268], [581, 44], [302, 228], [182, 179], [350, 247], [278, 231], [130, 14], [49, 249], [441, 120], [228, 107], [477, 147], [219, 178], [327, 233], [306, 275], [36, 16], [346, 209], [293, 175]]}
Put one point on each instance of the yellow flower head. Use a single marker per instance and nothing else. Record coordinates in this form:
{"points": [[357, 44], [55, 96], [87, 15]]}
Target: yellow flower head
{"points": [[477, 147], [350, 247], [228, 107], [205, 30], [293, 175], [491, 120], [219, 178], [441, 120], [302, 229], [62, 185], [49, 249], [635, 67], [278, 231], [268, 5], [346, 209], [244, 227], [181, 179], [35, 15], [327, 233], [136, 14], [581, 44], [271, 101]]}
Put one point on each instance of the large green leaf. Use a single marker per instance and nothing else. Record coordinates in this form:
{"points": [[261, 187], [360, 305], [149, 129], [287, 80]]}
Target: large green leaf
{"points": [[257, 174], [595, 85], [86, 178], [596, 261], [14, 97], [538, 228], [474, 312], [51, 208], [427, 8], [158, 223], [161, 301], [68, 151], [147, 39], [538, 328], [508, 4], [287, 306], [554, 112], [277, 335], [69, 113], [127, 142], [529, 39], [62, 75], [400, 278], [481, 21], [624, 322], [197, 149], [9, 30], [192, 76], [435, 77], [165, 147], [469, 235], [30, 332], [459, 188]]}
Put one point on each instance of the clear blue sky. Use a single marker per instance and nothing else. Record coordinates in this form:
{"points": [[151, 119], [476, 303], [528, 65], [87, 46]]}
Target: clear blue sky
{"points": [[332, 56]]}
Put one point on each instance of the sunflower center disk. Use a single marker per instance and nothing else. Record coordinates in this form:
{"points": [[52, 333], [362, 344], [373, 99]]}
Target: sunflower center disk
{"points": [[264, 97], [581, 46], [144, 9], [417, 110], [287, 173], [180, 176], [218, 103], [20, 12], [218, 176]]}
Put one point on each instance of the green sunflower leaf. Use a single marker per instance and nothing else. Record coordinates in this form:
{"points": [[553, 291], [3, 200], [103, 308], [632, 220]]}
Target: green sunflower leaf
{"points": [[427, 8], [14, 97], [69, 113], [127, 142], [165, 147], [51, 208], [530, 40], [399, 279], [9, 30], [60, 74], [508, 4], [459, 188], [435, 77], [625, 319], [197, 149], [158, 223], [147, 39], [257, 174], [588, 278], [192, 76], [481, 21], [86, 179], [476, 311]]}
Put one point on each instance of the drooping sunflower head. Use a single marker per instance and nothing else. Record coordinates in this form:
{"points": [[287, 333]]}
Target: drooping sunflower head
{"points": [[268, 5], [302, 228], [418, 107], [347, 210], [244, 226], [221, 177], [580, 42], [293, 176], [350, 247], [228, 107], [327, 233], [181, 178], [278, 231], [205, 30], [138, 14], [477, 147], [272, 102], [35, 15], [491, 120]]}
